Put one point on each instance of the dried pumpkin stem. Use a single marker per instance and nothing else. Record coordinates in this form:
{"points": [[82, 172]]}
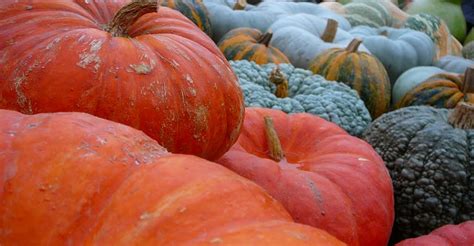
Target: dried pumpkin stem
{"points": [[354, 45], [329, 33], [468, 86], [279, 79], [129, 14], [265, 38], [240, 5], [462, 116], [274, 145], [384, 33]]}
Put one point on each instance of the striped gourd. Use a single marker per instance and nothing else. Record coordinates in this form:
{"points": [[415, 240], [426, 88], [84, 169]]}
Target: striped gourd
{"points": [[250, 44], [194, 10], [443, 90], [361, 71], [438, 31]]}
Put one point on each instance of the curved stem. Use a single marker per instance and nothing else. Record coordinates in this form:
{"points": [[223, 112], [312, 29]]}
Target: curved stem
{"points": [[278, 78], [129, 14], [354, 45], [329, 33], [462, 116], [240, 5], [265, 38], [274, 145]]}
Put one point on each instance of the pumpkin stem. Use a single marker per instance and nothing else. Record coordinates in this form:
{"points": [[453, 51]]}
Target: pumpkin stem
{"points": [[129, 14], [240, 5], [468, 86], [265, 38], [274, 145], [384, 33], [278, 78], [354, 45], [329, 33], [462, 116]]}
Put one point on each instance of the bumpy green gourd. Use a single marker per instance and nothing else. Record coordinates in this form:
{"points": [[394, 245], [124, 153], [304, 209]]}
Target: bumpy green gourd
{"points": [[430, 158], [307, 92]]}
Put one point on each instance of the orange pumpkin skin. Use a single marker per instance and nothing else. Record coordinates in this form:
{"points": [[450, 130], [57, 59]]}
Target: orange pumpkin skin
{"points": [[329, 179], [448, 235], [72, 178], [167, 78]]}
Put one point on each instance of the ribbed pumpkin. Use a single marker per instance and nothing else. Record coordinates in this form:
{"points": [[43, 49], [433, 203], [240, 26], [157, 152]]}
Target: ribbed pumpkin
{"points": [[443, 90], [449, 235], [323, 176], [250, 44], [75, 179], [361, 71], [195, 10], [157, 72]]}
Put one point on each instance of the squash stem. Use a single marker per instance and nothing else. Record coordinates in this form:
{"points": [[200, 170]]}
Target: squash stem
{"points": [[329, 33], [240, 5], [354, 45], [274, 145], [129, 14], [265, 38], [278, 78], [468, 86], [462, 116]]}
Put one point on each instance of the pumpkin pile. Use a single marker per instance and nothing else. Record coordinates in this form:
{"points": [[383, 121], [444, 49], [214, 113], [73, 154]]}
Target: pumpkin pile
{"points": [[204, 122]]}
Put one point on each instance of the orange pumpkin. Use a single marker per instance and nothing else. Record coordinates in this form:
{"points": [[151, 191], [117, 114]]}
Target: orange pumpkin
{"points": [[448, 235], [72, 178], [156, 72], [323, 176]]}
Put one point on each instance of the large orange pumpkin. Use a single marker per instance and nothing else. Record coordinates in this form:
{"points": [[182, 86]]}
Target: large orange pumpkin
{"points": [[323, 176], [157, 72], [75, 179]]}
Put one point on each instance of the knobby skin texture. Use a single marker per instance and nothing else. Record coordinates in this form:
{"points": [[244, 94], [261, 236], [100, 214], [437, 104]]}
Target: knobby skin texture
{"points": [[75, 179], [328, 179], [164, 77], [431, 164]]}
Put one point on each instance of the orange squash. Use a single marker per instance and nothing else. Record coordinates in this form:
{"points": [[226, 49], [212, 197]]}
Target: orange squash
{"points": [[323, 176], [72, 178], [448, 235], [154, 71]]}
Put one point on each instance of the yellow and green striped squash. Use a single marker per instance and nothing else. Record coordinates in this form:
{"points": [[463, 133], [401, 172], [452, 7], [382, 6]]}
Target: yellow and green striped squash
{"points": [[359, 70], [250, 44], [443, 90], [194, 10]]}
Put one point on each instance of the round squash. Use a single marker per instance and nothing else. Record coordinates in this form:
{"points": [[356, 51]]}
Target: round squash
{"points": [[410, 79], [428, 152], [295, 90], [367, 13], [454, 64], [448, 10], [323, 176], [438, 31], [72, 178], [397, 49], [303, 37], [250, 44], [195, 10], [152, 71], [448, 235], [361, 71], [443, 90]]}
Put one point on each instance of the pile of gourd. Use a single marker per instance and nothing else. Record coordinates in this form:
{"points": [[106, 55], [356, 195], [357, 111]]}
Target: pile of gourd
{"points": [[188, 122]]}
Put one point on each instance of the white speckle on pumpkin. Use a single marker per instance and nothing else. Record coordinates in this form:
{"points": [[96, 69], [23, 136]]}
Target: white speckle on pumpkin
{"points": [[182, 210], [141, 68], [91, 56], [189, 79], [53, 43], [216, 240], [362, 159], [146, 216]]}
